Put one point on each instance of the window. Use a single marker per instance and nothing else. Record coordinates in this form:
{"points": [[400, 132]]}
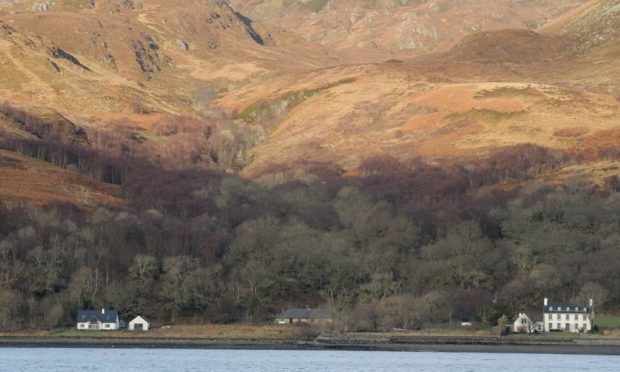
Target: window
{"points": [[550, 326], [565, 316], [567, 308], [107, 326], [550, 308]]}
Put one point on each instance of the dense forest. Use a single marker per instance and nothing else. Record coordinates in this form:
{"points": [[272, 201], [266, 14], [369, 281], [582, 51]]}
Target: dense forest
{"points": [[403, 244]]}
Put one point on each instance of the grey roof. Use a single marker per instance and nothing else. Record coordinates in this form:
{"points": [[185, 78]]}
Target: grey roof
{"points": [[298, 313], [566, 307], [109, 316]]}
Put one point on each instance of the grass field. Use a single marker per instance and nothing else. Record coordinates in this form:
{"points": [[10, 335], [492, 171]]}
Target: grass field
{"points": [[608, 322], [555, 335], [609, 326], [209, 331]]}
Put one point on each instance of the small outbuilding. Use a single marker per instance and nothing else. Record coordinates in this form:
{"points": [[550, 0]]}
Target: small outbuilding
{"points": [[139, 323]]}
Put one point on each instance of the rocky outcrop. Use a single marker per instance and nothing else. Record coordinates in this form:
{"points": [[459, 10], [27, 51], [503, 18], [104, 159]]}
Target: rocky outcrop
{"points": [[147, 54], [42, 6], [58, 53], [182, 45], [247, 22]]}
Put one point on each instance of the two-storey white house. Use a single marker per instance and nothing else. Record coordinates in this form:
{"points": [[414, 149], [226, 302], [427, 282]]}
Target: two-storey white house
{"points": [[568, 317]]}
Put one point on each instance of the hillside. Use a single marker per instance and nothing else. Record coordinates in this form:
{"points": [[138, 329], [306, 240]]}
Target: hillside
{"points": [[393, 27], [491, 90], [101, 59], [200, 85], [23, 179], [140, 77]]}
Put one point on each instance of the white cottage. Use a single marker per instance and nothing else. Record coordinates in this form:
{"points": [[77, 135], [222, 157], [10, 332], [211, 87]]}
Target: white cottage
{"points": [[568, 317], [98, 320], [523, 324], [139, 324]]}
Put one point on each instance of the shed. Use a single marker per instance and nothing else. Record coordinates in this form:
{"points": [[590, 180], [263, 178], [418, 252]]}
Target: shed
{"points": [[139, 323]]}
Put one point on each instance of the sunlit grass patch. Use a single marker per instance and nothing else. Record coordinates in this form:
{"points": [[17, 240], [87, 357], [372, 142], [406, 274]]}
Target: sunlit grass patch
{"points": [[485, 115], [608, 321]]}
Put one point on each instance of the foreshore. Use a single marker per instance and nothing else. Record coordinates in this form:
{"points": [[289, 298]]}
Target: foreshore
{"points": [[434, 344]]}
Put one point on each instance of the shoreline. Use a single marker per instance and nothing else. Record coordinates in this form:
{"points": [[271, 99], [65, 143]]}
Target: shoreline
{"points": [[490, 345]]}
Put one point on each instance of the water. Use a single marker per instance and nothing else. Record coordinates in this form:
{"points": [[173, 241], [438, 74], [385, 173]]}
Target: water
{"points": [[164, 360]]}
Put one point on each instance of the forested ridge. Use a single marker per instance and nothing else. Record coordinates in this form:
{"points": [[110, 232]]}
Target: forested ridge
{"points": [[403, 244]]}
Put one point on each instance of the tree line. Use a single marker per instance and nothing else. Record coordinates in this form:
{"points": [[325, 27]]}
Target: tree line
{"points": [[404, 245]]}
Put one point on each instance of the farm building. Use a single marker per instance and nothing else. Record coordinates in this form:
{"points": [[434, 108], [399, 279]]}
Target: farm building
{"points": [[307, 315]]}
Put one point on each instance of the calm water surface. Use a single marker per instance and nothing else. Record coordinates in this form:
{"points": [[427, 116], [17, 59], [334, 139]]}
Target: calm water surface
{"points": [[160, 360]]}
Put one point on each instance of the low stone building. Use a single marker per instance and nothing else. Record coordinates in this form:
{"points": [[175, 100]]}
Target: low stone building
{"points": [[307, 315]]}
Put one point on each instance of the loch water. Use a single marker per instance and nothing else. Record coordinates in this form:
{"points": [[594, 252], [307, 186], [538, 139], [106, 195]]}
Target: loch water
{"points": [[173, 360]]}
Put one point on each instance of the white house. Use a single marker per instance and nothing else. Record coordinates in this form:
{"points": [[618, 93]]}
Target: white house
{"points": [[139, 324], [523, 324], [568, 317], [98, 320], [296, 315]]}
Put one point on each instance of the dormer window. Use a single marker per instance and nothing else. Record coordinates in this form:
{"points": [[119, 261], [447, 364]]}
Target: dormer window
{"points": [[576, 308], [567, 308], [550, 308]]}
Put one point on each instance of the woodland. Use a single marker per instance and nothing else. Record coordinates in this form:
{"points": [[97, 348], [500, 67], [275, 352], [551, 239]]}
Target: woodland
{"points": [[396, 244]]}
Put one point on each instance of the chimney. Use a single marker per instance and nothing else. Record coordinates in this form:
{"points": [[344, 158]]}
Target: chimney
{"points": [[546, 301]]}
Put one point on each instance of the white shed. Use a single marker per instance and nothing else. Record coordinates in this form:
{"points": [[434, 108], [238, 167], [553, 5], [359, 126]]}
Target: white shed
{"points": [[139, 324]]}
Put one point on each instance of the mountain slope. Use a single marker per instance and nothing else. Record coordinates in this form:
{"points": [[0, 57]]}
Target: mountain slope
{"points": [[139, 78], [101, 58], [490, 91], [417, 26], [199, 85]]}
